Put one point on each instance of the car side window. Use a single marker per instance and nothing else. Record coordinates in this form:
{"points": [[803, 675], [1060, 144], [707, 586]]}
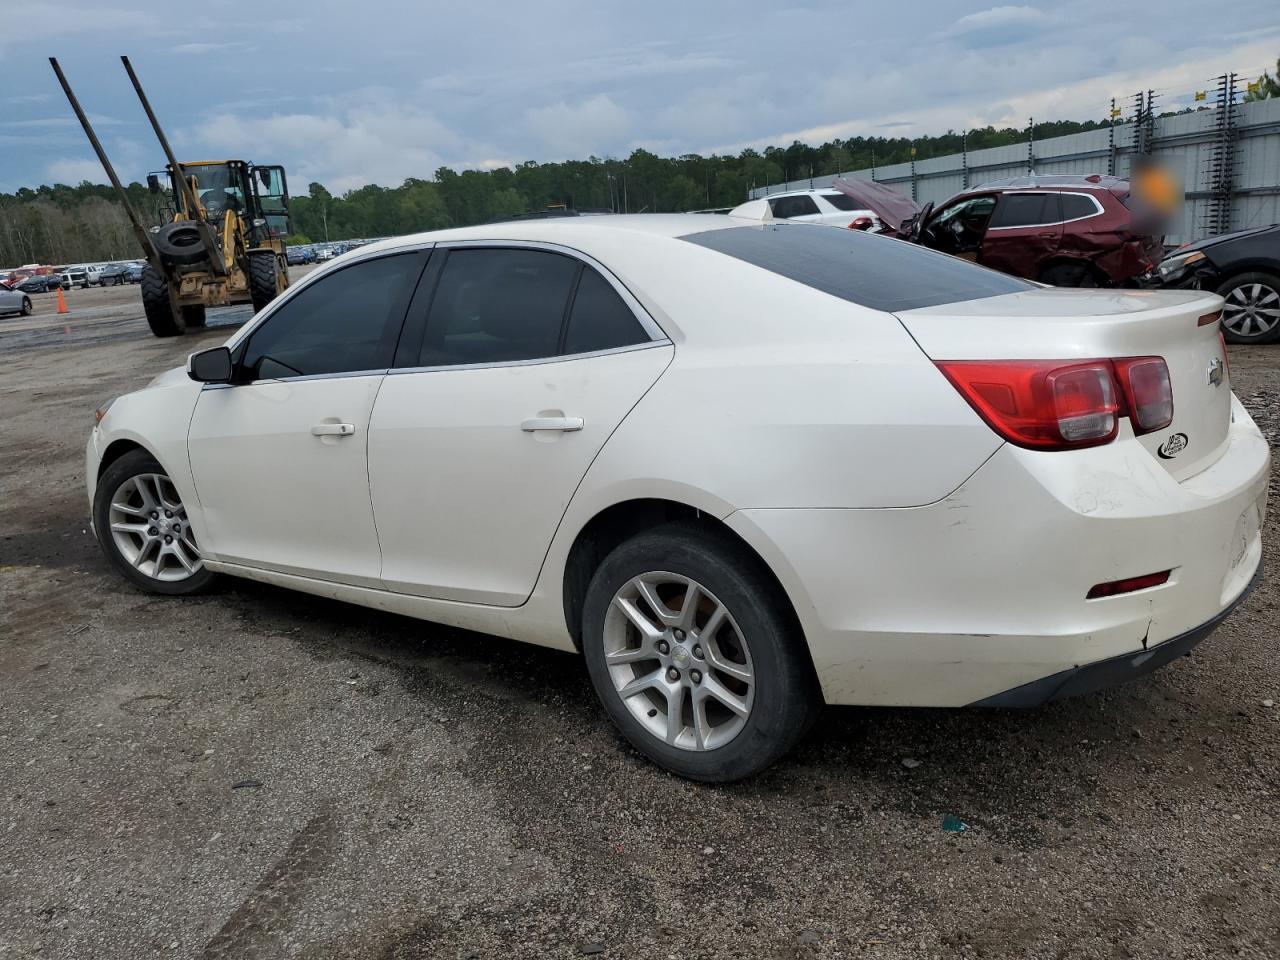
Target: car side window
{"points": [[784, 207], [346, 321], [496, 305], [1026, 210], [1075, 207], [840, 201], [600, 319]]}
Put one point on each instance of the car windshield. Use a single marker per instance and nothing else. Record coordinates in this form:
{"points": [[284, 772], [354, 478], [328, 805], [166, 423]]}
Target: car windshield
{"points": [[876, 272]]}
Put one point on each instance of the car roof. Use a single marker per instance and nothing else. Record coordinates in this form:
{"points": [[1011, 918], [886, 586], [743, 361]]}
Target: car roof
{"points": [[568, 229], [1062, 181]]}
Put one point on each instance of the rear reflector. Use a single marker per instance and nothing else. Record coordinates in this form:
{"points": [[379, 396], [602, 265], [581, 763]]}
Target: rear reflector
{"points": [[1209, 318], [1114, 587]]}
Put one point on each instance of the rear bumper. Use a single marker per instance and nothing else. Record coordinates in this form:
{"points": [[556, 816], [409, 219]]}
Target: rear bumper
{"points": [[1115, 670], [984, 592]]}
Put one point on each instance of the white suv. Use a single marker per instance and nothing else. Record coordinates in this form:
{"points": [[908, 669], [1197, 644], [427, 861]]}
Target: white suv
{"points": [[819, 206]]}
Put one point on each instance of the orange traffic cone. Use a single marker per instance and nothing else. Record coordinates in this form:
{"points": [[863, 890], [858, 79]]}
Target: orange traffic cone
{"points": [[62, 302]]}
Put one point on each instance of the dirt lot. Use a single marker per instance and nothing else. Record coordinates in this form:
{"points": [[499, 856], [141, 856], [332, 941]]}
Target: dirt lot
{"points": [[257, 773]]}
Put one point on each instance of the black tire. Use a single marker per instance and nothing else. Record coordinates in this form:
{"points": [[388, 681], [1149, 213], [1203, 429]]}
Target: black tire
{"points": [[1259, 289], [786, 696], [194, 315], [133, 464], [155, 303], [26, 306], [1069, 275], [263, 278], [180, 243]]}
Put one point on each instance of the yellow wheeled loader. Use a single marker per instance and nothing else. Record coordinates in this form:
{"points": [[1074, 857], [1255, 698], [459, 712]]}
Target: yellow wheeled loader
{"points": [[225, 243]]}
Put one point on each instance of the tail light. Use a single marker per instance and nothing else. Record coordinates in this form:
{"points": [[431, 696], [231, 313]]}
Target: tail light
{"points": [[1052, 405]]}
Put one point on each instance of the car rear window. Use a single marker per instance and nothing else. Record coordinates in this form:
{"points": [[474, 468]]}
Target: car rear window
{"points": [[876, 272]]}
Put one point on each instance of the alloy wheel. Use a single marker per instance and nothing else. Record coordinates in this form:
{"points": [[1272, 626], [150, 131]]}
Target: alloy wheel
{"points": [[1251, 310], [679, 661], [149, 527]]}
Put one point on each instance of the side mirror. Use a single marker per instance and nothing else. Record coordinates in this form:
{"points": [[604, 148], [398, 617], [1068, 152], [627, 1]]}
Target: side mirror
{"points": [[210, 366], [862, 223], [153, 183]]}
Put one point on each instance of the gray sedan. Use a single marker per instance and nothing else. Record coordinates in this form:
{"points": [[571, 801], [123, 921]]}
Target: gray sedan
{"points": [[14, 301]]}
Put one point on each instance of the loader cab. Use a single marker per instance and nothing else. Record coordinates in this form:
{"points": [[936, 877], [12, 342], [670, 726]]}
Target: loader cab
{"points": [[259, 195]]}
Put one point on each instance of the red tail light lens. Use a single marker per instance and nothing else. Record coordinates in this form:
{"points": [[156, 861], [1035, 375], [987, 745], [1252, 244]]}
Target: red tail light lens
{"points": [[1041, 404], [1052, 405], [1148, 392]]}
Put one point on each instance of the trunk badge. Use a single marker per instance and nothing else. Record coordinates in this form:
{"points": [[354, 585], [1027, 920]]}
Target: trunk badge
{"points": [[1216, 372], [1173, 446]]}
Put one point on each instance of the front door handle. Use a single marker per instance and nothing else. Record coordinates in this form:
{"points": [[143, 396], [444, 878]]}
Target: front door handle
{"points": [[333, 429], [563, 424]]}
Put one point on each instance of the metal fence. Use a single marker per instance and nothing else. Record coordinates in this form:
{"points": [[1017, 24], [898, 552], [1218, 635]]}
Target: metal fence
{"points": [[1229, 158]]}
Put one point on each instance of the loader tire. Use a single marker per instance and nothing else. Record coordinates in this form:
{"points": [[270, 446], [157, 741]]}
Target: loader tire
{"points": [[180, 243], [161, 317], [263, 278]]}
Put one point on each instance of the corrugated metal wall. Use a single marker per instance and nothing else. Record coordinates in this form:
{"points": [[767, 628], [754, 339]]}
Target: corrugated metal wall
{"points": [[1184, 141]]}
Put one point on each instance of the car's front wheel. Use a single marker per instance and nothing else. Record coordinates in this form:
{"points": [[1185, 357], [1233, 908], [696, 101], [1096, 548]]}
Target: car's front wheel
{"points": [[695, 654], [142, 526], [26, 306], [1251, 313]]}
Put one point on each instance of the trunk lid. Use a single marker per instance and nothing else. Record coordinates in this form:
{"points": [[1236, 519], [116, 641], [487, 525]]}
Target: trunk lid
{"points": [[1065, 324]]}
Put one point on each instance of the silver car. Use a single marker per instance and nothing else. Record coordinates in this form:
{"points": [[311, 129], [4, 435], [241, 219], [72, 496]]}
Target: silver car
{"points": [[14, 301]]}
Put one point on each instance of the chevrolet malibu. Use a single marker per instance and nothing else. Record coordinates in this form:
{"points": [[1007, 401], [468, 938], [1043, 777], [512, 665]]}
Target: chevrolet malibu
{"points": [[745, 468]]}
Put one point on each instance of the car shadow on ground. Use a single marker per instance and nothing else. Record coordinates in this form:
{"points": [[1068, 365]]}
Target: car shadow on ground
{"points": [[1021, 775]]}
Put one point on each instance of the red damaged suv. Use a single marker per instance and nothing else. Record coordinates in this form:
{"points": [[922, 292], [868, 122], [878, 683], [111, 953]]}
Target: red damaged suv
{"points": [[1066, 231]]}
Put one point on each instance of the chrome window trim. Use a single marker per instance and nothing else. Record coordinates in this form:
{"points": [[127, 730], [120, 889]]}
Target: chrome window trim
{"points": [[532, 362], [647, 323], [1097, 209]]}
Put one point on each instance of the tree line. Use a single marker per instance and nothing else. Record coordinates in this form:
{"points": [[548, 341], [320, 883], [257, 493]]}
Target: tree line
{"points": [[62, 224]]}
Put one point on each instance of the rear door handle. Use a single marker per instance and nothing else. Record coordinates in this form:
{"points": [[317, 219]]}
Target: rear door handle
{"points": [[563, 424], [333, 429]]}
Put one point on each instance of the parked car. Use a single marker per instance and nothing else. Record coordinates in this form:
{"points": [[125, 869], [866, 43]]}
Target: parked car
{"points": [[537, 450], [1064, 231], [1244, 269], [40, 283], [820, 206], [324, 253], [13, 300], [134, 272], [113, 275], [75, 277], [300, 255], [93, 272]]}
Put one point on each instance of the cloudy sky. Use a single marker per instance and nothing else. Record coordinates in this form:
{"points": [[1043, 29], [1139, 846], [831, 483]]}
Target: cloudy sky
{"points": [[351, 93]]}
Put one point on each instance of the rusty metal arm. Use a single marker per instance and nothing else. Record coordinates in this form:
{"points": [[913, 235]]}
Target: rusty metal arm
{"points": [[144, 238], [180, 175]]}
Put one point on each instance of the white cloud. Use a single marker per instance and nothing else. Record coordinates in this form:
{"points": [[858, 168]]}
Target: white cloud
{"points": [[71, 170], [576, 130]]}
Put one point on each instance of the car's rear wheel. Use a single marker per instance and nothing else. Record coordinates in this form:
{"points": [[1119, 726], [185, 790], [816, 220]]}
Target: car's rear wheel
{"points": [[1251, 313], [142, 526], [696, 656]]}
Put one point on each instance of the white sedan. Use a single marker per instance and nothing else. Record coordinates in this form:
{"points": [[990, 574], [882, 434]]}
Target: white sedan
{"points": [[745, 468]]}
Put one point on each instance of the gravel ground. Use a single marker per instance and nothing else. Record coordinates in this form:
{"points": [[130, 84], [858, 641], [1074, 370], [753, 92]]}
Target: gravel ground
{"points": [[257, 773]]}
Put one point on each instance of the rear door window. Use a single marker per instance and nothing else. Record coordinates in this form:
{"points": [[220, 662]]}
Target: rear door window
{"points": [[876, 272], [801, 206], [1077, 207], [1025, 210], [840, 201], [600, 319], [497, 306]]}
